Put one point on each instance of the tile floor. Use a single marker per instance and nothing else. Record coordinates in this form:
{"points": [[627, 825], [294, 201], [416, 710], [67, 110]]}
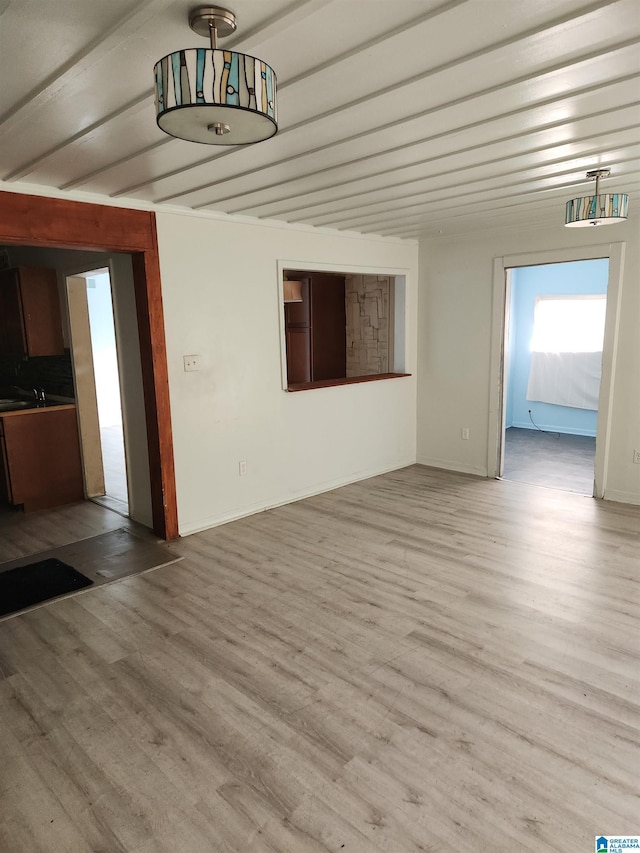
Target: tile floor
{"points": [[115, 472]]}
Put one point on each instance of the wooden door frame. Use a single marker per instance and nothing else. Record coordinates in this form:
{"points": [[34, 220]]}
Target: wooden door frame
{"points": [[85, 384], [42, 221]]}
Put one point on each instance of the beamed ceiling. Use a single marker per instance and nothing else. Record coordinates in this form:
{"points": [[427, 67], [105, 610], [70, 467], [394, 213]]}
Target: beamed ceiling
{"points": [[406, 118]]}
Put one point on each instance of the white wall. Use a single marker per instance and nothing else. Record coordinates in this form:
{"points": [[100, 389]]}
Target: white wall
{"points": [[455, 313], [220, 295]]}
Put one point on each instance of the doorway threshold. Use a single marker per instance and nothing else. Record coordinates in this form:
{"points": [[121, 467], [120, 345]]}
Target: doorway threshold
{"points": [[114, 504]]}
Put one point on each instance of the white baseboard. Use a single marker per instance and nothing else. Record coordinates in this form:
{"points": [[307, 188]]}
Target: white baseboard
{"points": [[235, 515], [451, 465], [551, 428], [431, 462], [622, 497]]}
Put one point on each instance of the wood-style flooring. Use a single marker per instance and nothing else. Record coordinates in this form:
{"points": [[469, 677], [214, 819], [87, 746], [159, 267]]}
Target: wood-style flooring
{"points": [[23, 534], [421, 661], [551, 459]]}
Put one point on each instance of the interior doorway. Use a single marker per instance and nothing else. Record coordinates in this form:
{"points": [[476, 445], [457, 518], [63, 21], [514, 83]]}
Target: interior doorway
{"points": [[98, 388], [554, 334], [59, 223], [614, 254]]}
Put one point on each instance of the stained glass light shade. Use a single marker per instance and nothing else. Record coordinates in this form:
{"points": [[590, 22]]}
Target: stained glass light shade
{"points": [[603, 209], [199, 89]]}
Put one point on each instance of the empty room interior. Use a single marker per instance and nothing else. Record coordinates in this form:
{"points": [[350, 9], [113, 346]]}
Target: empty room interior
{"points": [[319, 426]]}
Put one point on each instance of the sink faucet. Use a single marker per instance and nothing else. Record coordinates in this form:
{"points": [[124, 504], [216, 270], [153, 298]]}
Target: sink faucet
{"points": [[39, 395]]}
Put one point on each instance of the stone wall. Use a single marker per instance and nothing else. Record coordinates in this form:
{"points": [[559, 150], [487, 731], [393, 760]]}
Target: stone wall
{"points": [[369, 307]]}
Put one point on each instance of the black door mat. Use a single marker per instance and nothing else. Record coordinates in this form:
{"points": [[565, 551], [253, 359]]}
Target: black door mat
{"points": [[37, 582]]}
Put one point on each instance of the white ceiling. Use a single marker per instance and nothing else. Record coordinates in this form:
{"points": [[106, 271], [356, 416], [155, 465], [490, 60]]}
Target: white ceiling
{"points": [[396, 117]]}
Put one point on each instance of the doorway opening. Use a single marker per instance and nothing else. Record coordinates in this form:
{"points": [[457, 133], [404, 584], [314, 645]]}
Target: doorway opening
{"points": [[554, 333], [98, 375], [62, 224], [98, 388], [613, 254]]}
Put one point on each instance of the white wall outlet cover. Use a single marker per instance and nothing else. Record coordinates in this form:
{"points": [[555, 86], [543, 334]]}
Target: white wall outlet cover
{"points": [[191, 362]]}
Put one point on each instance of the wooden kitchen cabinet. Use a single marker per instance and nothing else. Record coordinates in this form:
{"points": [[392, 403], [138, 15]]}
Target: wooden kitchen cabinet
{"points": [[298, 343], [30, 317], [315, 329], [298, 336], [40, 463], [5, 489], [328, 327]]}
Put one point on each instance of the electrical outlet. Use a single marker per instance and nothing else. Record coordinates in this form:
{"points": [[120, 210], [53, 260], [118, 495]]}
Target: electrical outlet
{"points": [[242, 467], [191, 362], [636, 457], [465, 433]]}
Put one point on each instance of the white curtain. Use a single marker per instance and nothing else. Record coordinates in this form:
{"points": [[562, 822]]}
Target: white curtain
{"points": [[565, 378]]}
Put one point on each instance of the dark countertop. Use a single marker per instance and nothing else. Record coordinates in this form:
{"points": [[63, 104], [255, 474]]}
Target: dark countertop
{"points": [[27, 407]]}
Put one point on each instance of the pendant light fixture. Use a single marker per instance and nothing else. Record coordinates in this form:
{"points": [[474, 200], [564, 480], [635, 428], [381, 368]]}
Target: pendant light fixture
{"points": [[213, 96], [597, 209]]}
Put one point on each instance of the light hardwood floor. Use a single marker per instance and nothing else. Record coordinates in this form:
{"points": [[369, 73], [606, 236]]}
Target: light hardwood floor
{"points": [[25, 533], [422, 661]]}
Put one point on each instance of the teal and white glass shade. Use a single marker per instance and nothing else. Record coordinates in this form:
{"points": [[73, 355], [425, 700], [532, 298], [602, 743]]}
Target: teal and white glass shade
{"points": [[217, 97], [598, 208], [602, 209]]}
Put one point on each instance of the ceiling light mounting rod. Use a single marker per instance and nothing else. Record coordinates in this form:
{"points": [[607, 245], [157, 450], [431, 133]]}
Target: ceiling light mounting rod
{"points": [[597, 174], [212, 22], [220, 22]]}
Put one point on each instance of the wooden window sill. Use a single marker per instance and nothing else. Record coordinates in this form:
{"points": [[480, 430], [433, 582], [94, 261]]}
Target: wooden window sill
{"points": [[347, 380]]}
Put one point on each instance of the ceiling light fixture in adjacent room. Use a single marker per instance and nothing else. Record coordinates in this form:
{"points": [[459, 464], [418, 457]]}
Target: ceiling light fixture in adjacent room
{"points": [[218, 97], [597, 209]]}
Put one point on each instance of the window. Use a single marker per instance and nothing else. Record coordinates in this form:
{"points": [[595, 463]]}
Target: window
{"points": [[568, 324], [566, 351], [342, 328]]}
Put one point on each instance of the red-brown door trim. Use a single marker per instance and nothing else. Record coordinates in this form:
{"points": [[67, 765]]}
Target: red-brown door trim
{"points": [[41, 221]]}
